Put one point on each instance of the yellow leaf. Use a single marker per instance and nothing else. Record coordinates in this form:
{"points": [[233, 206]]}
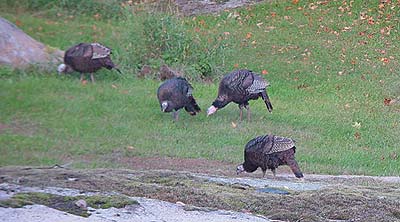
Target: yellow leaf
{"points": [[234, 125]]}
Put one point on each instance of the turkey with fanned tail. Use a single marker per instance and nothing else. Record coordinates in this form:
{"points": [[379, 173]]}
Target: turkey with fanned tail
{"points": [[87, 58], [269, 152], [175, 94], [239, 87]]}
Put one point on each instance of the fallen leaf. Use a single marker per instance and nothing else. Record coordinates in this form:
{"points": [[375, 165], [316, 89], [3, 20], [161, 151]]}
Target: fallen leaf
{"points": [[264, 72], [302, 86], [295, 1], [114, 86], [387, 101], [345, 29], [385, 60], [313, 7], [248, 35], [357, 135], [356, 125], [236, 65], [97, 16], [234, 125], [18, 23], [84, 82]]}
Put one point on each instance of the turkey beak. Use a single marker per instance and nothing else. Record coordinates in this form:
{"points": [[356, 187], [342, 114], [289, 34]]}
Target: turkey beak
{"points": [[61, 69], [211, 110], [164, 106]]}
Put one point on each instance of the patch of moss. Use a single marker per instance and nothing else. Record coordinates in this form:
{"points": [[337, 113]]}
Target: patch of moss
{"points": [[66, 203], [14, 203], [105, 202], [396, 214]]}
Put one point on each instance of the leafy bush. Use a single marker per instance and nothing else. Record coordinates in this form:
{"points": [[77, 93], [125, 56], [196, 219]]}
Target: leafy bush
{"points": [[165, 39]]}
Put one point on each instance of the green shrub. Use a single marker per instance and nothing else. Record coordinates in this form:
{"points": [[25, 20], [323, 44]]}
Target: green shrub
{"points": [[166, 39]]}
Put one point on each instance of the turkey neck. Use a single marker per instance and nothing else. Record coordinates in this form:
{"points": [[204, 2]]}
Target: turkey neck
{"points": [[220, 102]]}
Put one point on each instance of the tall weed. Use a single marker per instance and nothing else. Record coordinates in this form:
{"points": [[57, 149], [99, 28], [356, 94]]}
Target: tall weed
{"points": [[163, 38]]}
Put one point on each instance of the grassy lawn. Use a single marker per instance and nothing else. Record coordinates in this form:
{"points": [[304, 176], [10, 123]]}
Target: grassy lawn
{"points": [[331, 66]]}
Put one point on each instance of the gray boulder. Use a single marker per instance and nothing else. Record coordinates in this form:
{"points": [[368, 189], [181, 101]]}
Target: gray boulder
{"points": [[19, 50]]}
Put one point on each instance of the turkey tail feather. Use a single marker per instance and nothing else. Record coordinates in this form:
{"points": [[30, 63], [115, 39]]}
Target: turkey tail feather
{"points": [[266, 100], [295, 167], [118, 70]]}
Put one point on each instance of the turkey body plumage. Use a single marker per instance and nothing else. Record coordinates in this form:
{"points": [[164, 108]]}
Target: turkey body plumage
{"points": [[269, 152], [88, 58], [175, 94], [241, 86]]}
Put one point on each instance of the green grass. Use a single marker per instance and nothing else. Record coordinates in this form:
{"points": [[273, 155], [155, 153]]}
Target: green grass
{"points": [[325, 65]]}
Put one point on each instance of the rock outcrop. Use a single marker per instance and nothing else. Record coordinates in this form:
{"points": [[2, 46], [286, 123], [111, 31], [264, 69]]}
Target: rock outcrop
{"points": [[19, 50]]}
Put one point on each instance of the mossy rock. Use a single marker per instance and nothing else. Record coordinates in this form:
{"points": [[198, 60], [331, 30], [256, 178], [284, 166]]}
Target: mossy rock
{"points": [[66, 203]]}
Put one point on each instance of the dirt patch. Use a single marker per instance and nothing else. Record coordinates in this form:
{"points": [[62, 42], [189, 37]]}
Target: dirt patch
{"points": [[179, 164], [67, 203], [338, 200], [205, 166], [19, 128]]}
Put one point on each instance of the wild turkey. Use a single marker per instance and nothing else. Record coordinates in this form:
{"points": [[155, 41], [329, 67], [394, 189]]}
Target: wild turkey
{"points": [[269, 152], [239, 87], [87, 58], [175, 94]]}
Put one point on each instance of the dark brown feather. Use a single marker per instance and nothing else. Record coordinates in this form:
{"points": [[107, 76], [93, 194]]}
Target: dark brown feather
{"points": [[239, 87], [269, 152], [88, 58], [177, 92]]}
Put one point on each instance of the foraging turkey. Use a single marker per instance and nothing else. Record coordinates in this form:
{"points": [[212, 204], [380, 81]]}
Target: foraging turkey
{"points": [[239, 87], [269, 152], [87, 58], [175, 94]]}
